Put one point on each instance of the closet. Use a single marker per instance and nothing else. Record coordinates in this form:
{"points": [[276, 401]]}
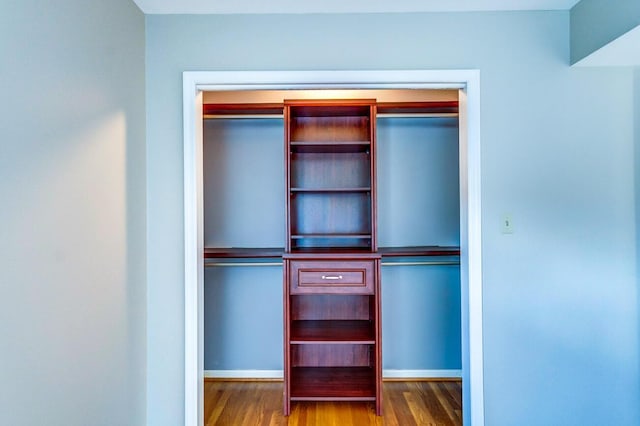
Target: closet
{"points": [[337, 216]]}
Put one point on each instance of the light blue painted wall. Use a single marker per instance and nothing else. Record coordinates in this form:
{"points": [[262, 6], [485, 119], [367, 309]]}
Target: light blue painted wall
{"points": [[244, 199], [560, 297], [243, 318], [636, 114], [244, 206], [418, 183], [418, 204], [72, 239], [421, 318], [595, 23]]}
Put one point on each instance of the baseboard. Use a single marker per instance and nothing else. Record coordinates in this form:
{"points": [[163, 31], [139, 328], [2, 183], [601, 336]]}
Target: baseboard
{"points": [[422, 374], [244, 374], [386, 374]]}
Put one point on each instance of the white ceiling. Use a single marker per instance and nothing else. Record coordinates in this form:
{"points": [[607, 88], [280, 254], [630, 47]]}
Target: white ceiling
{"points": [[343, 6]]}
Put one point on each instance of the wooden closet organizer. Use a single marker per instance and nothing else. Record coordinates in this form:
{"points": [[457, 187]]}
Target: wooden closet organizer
{"points": [[331, 261]]}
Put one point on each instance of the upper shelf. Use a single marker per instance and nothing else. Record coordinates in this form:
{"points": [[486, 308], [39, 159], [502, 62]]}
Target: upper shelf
{"points": [[240, 110], [268, 110], [411, 108], [330, 108]]}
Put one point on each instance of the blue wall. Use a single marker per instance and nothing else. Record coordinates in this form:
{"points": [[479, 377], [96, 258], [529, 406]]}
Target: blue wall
{"points": [[560, 294], [72, 213], [418, 204], [636, 114], [244, 205]]}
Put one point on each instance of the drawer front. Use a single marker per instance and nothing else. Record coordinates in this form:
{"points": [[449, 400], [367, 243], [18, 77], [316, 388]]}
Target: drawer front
{"points": [[349, 277]]}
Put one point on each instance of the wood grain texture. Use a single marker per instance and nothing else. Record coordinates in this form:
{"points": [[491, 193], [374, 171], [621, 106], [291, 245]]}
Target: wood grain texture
{"points": [[415, 403]]}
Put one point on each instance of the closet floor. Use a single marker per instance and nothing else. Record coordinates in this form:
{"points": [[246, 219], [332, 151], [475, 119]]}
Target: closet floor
{"points": [[240, 403]]}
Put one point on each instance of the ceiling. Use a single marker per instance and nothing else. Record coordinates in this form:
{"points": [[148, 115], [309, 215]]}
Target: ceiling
{"points": [[343, 6]]}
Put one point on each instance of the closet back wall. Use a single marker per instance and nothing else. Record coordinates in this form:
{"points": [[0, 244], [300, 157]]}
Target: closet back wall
{"points": [[243, 207], [419, 204]]}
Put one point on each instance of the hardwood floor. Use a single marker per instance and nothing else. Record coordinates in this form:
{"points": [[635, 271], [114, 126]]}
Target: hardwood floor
{"points": [[419, 403]]}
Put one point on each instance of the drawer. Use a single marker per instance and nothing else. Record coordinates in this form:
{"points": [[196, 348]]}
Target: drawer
{"points": [[344, 276]]}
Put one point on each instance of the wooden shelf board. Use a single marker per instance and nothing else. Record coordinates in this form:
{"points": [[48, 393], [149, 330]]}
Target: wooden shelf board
{"points": [[417, 107], [233, 109], [331, 147], [333, 383], [277, 252], [329, 143], [359, 189], [277, 108], [330, 107], [331, 236], [242, 252], [332, 331], [419, 251], [331, 253]]}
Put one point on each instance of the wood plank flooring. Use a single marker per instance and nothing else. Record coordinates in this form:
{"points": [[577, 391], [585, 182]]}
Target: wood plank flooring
{"points": [[416, 403]]}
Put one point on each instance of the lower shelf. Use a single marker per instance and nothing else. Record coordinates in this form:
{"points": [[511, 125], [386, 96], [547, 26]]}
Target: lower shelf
{"points": [[333, 383]]}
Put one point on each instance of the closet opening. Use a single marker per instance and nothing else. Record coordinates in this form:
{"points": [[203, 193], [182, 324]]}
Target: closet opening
{"points": [[235, 163]]}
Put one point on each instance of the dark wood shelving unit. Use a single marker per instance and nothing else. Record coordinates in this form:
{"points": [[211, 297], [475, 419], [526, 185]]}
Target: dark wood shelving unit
{"points": [[331, 283], [326, 235]]}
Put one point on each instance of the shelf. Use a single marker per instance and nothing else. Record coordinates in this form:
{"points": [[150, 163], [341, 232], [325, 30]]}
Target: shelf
{"points": [[242, 252], [277, 252], [330, 108], [243, 110], [411, 108], [332, 253], [332, 331], [335, 190], [337, 147], [419, 251], [330, 143], [333, 383], [330, 236]]}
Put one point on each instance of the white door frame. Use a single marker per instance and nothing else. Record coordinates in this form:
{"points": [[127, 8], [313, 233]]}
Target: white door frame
{"points": [[468, 81]]}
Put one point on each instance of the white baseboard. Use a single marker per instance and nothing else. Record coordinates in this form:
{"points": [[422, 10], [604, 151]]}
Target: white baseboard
{"points": [[422, 374], [243, 374], [386, 374]]}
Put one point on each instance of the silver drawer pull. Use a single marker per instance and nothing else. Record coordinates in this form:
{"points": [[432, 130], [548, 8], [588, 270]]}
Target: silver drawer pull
{"points": [[332, 277]]}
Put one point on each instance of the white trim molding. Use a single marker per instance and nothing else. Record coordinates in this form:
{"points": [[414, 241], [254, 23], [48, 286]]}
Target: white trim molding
{"points": [[468, 84]]}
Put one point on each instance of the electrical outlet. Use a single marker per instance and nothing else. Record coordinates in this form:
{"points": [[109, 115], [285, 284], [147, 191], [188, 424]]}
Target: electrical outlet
{"points": [[507, 224]]}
